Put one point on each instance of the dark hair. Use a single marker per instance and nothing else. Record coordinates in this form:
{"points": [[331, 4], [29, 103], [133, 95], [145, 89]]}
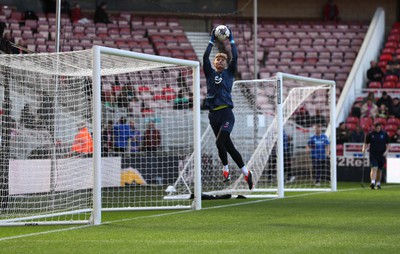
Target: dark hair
{"points": [[377, 124]]}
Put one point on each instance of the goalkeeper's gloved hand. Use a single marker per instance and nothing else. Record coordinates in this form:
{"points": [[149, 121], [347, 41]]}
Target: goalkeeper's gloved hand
{"points": [[212, 39], [230, 35]]}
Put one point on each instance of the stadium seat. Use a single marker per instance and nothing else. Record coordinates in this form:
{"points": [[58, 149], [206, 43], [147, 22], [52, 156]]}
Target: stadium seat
{"points": [[391, 127], [380, 120], [389, 50], [393, 120], [351, 126], [394, 78], [390, 133], [339, 149], [375, 85], [389, 85], [353, 119], [366, 121], [386, 57]]}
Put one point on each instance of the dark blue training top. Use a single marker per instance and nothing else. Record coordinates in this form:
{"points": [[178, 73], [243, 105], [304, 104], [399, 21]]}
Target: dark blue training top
{"points": [[318, 145], [377, 142], [219, 85]]}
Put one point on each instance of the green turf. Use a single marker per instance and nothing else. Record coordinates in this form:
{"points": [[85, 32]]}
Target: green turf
{"points": [[352, 220]]}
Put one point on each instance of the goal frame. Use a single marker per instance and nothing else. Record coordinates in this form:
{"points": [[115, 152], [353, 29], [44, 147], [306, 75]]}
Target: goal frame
{"points": [[279, 190], [94, 70], [96, 75], [331, 130]]}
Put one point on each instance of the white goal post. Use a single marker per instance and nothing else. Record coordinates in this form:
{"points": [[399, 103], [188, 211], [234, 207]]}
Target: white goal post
{"points": [[274, 142], [141, 112]]}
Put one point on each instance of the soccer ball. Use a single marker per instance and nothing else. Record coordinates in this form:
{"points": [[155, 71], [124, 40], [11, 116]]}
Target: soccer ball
{"points": [[221, 32]]}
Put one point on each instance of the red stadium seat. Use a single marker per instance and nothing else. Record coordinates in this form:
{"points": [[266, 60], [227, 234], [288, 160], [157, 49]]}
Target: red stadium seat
{"points": [[390, 133], [391, 77], [353, 119], [389, 50], [375, 85], [366, 121], [386, 57], [393, 120], [389, 85], [390, 127], [380, 120], [339, 149], [351, 126]]}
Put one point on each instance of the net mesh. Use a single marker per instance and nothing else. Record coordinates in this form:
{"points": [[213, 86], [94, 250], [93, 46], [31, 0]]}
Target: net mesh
{"points": [[255, 137], [46, 157]]}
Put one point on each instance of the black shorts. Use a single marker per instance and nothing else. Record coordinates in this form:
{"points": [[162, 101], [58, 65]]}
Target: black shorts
{"points": [[377, 161], [222, 119]]}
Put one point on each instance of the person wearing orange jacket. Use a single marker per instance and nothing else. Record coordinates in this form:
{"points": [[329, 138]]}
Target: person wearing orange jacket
{"points": [[83, 142]]}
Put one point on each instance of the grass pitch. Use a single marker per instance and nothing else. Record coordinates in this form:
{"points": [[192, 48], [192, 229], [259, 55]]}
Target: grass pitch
{"points": [[351, 220]]}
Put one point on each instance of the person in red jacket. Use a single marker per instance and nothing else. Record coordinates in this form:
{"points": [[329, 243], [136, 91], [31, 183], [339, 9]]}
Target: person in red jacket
{"points": [[76, 15], [152, 138]]}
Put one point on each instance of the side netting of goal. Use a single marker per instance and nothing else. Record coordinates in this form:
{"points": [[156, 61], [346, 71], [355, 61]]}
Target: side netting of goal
{"points": [[274, 140], [138, 112]]}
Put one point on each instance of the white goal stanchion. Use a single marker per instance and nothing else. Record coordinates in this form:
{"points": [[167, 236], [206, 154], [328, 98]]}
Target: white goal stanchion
{"points": [[141, 112], [273, 140]]}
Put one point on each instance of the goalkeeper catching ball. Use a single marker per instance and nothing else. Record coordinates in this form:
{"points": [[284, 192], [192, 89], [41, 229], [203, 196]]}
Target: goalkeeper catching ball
{"points": [[220, 78]]}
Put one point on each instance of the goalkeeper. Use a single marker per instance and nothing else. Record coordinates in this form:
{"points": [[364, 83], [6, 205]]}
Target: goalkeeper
{"points": [[219, 102]]}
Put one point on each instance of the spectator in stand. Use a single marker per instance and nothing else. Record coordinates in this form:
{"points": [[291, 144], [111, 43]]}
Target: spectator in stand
{"points": [[386, 100], [370, 96], [303, 117], [356, 109], [101, 15], [331, 11], [318, 118], [65, 7], [107, 140], [180, 101], [20, 48], [122, 133], [342, 134], [5, 43], [396, 137], [76, 15], [357, 135], [393, 67], [152, 138], [395, 109], [369, 109], [83, 143], [136, 138], [27, 118], [383, 111], [375, 73]]}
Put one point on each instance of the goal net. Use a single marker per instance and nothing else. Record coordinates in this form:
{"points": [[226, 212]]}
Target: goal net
{"points": [[93, 130], [275, 140]]}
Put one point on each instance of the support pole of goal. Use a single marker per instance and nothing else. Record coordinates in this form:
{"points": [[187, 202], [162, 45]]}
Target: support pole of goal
{"points": [[333, 136], [96, 219], [279, 118], [197, 139]]}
